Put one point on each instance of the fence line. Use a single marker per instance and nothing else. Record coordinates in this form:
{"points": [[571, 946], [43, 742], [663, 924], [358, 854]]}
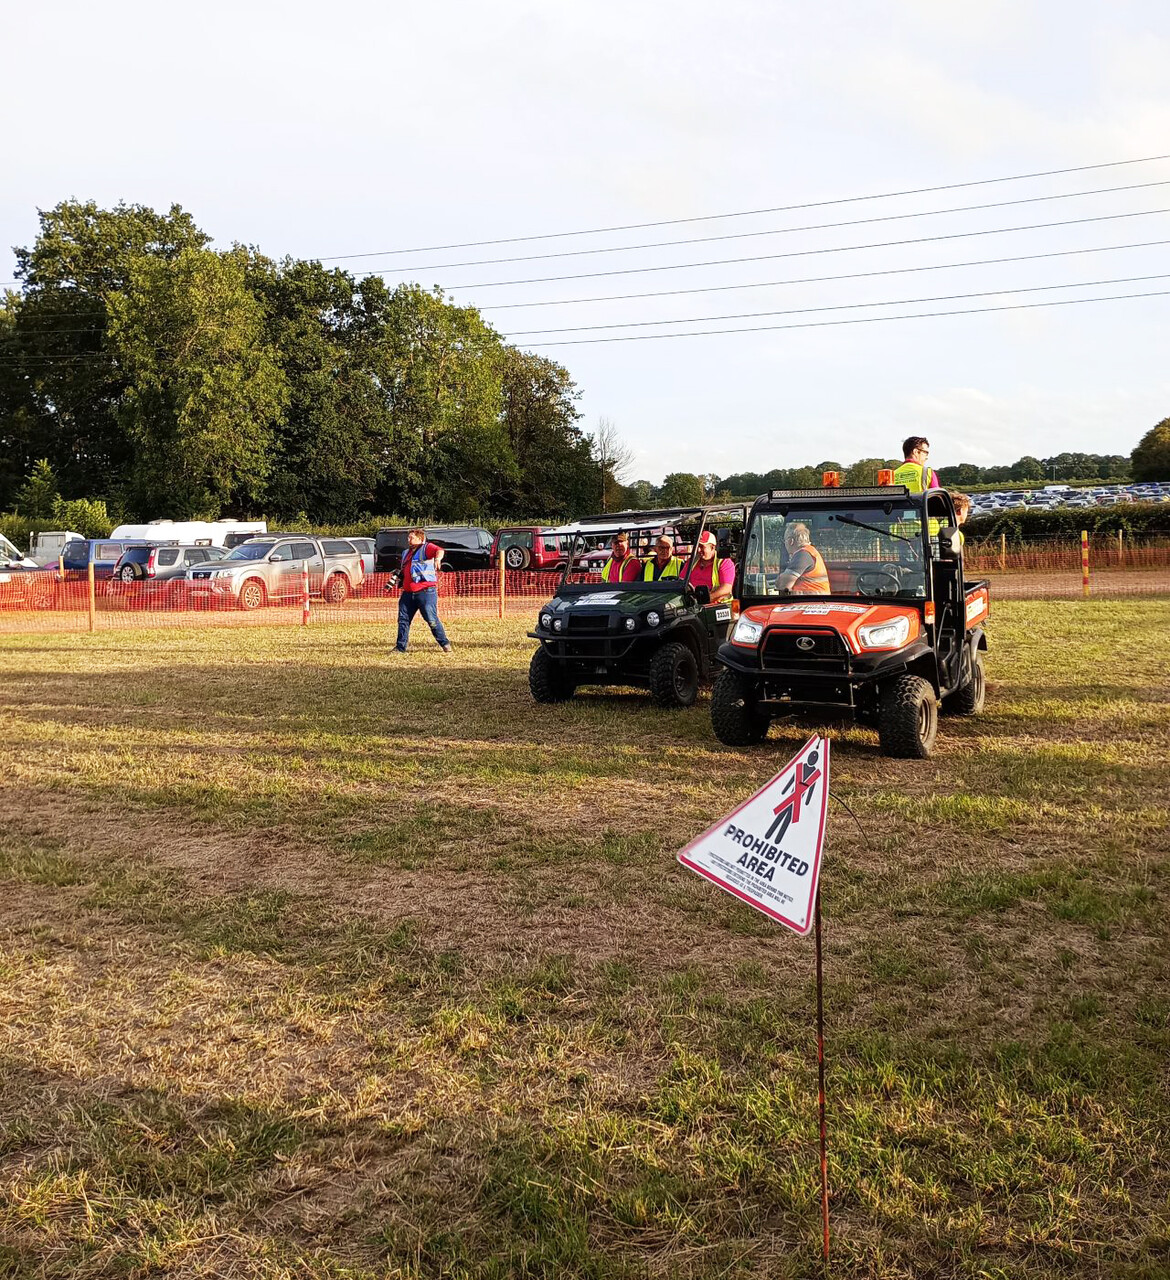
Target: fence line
{"points": [[45, 601]]}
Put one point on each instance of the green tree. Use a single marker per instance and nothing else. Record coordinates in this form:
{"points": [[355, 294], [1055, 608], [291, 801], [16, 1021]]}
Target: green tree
{"points": [[1150, 460], [1027, 468], [69, 385], [682, 489], [203, 389], [556, 470], [865, 472], [39, 496]]}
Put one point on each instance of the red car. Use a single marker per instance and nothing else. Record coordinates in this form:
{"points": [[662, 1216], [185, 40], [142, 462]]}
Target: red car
{"points": [[530, 547]]}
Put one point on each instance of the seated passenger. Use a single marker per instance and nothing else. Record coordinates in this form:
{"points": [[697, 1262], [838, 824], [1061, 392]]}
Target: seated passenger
{"points": [[962, 511], [717, 576], [663, 563], [622, 565], [806, 573]]}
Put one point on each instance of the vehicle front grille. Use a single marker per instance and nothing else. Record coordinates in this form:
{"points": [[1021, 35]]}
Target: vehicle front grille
{"points": [[589, 623], [805, 649]]}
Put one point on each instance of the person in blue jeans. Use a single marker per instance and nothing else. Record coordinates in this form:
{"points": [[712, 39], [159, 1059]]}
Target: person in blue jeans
{"points": [[418, 579]]}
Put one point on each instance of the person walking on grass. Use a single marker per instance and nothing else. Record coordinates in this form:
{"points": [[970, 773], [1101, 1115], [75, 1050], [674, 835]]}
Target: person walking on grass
{"points": [[418, 579]]}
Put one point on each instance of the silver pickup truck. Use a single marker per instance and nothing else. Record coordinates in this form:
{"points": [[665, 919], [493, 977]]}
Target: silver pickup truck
{"points": [[272, 568]]}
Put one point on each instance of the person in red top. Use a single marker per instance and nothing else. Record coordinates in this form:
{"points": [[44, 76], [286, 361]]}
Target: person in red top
{"points": [[418, 581], [709, 571], [621, 565]]}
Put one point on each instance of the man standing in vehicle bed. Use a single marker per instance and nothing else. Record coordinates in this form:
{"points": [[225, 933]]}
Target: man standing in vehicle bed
{"points": [[418, 580], [718, 576]]}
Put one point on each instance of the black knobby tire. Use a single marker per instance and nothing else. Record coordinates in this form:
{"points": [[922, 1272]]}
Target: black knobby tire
{"points": [[337, 589], [908, 718], [735, 715], [253, 594], [548, 680], [674, 676], [969, 700]]}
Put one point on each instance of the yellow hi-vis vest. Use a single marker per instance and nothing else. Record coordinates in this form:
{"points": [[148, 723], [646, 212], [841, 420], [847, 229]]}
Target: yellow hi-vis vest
{"points": [[613, 570], [914, 476], [671, 569], [917, 479]]}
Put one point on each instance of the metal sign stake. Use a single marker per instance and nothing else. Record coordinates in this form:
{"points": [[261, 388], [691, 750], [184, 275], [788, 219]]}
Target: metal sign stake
{"points": [[821, 1078]]}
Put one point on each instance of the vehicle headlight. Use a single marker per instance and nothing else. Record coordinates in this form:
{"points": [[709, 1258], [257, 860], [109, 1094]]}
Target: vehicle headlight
{"points": [[631, 623], [884, 635], [221, 573], [747, 632], [652, 618], [546, 620], [558, 624]]}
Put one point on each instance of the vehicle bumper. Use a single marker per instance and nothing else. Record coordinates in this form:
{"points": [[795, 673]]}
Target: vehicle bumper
{"points": [[848, 681]]}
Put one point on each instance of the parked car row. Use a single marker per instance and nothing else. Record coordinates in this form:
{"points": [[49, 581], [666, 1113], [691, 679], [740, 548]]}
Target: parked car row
{"points": [[1058, 497]]}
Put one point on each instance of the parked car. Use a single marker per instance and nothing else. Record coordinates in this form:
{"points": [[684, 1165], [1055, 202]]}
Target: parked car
{"points": [[464, 546], [105, 553], [272, 569], [162, 561], [12, 557], [365, 547], [193, 533], [529, 547]]}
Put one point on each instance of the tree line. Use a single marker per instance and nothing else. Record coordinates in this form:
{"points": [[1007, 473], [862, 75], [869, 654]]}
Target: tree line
{"points": [[170, 379]]}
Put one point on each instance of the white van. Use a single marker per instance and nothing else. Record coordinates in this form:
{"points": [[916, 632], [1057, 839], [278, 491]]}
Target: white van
{"points": [[47, 547], [191, 533]]}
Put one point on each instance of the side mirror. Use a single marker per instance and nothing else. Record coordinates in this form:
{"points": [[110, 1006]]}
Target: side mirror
{"points": [[950, 543]]}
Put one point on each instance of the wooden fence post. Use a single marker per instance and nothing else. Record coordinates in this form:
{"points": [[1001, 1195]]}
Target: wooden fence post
{"points": [[92, 597], [1085, 562], [1002, 551], [503, 587], [1120, 548]]}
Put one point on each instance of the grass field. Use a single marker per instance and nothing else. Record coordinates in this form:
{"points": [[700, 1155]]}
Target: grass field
{"points": [[315, 961]]}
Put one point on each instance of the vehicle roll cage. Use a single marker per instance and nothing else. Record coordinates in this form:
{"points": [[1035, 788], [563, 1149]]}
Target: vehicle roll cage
{"points": [[643, 521], [781, 501]]}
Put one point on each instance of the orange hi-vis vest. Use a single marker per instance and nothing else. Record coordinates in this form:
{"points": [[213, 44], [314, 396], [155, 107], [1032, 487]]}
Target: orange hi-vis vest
{"points": [[613, 569], [814, 581]]}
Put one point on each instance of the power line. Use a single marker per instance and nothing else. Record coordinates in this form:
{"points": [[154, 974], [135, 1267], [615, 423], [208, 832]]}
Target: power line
{"points": [[804, 253], [745, 213], [728, 288], [846, 306], [823, 324], [853, 275], [777, 231]]}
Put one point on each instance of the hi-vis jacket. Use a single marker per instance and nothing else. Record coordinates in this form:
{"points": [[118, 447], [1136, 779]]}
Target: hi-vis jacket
{"points": [[915, 477], [615, 570], [671, 569], [422, 570], [815, 580]]}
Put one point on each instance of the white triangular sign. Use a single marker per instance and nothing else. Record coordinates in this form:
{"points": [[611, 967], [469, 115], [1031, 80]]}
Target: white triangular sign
{"points": [[768, 850]]}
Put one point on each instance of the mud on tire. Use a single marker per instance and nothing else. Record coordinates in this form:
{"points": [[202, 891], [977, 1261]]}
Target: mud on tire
{"points": [[547, 679], [907, 718], [736, 719], [253, 594], [337, 589], [674, 676]]}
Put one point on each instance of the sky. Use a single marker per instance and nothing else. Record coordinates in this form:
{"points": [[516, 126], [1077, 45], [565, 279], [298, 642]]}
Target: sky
{"points": [[383, 130]]}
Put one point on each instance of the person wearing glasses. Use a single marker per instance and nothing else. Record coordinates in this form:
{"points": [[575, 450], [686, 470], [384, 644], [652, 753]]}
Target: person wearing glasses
{"points": [[663, 563], [914, 473]]}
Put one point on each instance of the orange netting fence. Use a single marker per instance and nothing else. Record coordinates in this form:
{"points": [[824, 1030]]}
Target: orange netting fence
{"points": [[45, 600]]}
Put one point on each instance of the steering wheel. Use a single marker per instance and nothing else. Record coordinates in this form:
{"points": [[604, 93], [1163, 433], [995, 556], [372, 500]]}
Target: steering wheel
{"points": [[879, 582]]}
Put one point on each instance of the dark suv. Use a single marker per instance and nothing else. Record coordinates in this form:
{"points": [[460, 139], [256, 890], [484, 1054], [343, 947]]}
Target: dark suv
{"points": [[464, 546]]}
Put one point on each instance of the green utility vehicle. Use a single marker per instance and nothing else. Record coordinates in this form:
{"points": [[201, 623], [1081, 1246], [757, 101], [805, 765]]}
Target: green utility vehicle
{"points": [[657, 634], [884, 625]]}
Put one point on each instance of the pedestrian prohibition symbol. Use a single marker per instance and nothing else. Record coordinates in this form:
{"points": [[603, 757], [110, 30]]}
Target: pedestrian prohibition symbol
{"points": [[768, 850]]}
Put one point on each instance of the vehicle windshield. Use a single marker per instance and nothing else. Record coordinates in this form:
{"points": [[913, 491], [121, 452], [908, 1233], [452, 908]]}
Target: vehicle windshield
{"points": [[8, 551], [868, 551], [250, 551]]}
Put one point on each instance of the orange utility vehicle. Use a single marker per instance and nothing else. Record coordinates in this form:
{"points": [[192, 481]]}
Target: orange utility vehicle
{"points": [[883, 625]]}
